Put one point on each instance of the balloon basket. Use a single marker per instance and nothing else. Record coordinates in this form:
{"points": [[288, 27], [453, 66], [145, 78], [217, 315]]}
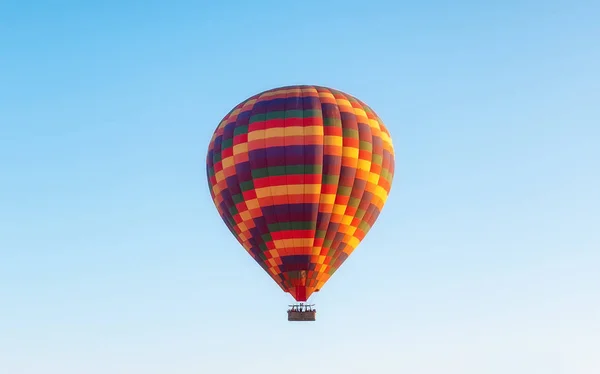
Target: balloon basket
{"points": [[301, 312]]}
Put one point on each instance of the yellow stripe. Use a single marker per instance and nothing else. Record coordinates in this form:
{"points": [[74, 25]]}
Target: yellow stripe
{"points": [[333, 140], [279, 92], [274, 132], [328, 198], [288, 189], [256, 135], [351, 232], [347, 220], [277, 132], [228, 162], [339, 209], [360, 112], [373, 178], [220, 176], [374, 124], [350, 152], [295, 242], [364, 165], [311, 189], [245, 215], [380, 193], [252, 204], [242, 226], [386, 138], [240, 148], [343, 102], [313, 130], [326, 94]]}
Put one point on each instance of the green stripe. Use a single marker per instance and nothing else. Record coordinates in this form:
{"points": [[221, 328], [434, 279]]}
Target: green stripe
{"points": [[332, 122], [350, 133], [353, 202], [247, 186], [331, 178], [260, 173], [240, 130], [276, 171], [257, 118], [364, 226], [360, 213], [238, 198], [227, 143], [385, 174], [295, 274], [366, 146], [344, 191], [377, 159], [233, 211], [283, 226], [283, 114], [294, 225]]}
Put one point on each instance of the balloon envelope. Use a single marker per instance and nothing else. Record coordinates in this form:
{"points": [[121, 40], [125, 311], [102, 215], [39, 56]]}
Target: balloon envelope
{"points": [[299, 175]]}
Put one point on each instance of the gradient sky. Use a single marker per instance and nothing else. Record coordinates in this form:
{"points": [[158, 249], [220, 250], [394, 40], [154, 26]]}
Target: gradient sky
{"points": [[485, 259]]}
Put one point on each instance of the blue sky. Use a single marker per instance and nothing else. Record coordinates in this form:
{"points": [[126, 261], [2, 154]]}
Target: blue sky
{"points": [[114, 260]]}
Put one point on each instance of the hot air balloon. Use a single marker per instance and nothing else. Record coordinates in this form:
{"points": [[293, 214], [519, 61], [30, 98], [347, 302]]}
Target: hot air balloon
{"points": [[299, 174]]}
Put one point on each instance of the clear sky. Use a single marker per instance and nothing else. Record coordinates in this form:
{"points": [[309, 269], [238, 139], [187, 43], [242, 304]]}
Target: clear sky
{"points": [[485, 259]]}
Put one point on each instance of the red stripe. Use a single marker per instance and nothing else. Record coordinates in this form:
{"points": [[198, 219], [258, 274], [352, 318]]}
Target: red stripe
{"points": [[300, 294], [262, 182], [278, 180], [292, 234], [249, 195], [329, 188], [239, 139], [275, 123], [258, 125], [227, 152]]}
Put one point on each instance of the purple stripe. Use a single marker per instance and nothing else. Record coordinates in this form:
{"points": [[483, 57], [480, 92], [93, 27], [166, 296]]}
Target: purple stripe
{"points": [[350, 118], [233, 185], [313, 154], [243, 117], [295, 259], [364, 131], [260, 107], [311, 102], [323, 220], [330, 110], [243, 171], [276, 156], [258, 158], [228, 130], [218, 142], [331, 164], [297, 212], [293, 103]]}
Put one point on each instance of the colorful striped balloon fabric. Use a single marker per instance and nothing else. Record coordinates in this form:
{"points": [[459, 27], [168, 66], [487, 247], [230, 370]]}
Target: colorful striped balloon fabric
{"points": [[299, 175]]}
